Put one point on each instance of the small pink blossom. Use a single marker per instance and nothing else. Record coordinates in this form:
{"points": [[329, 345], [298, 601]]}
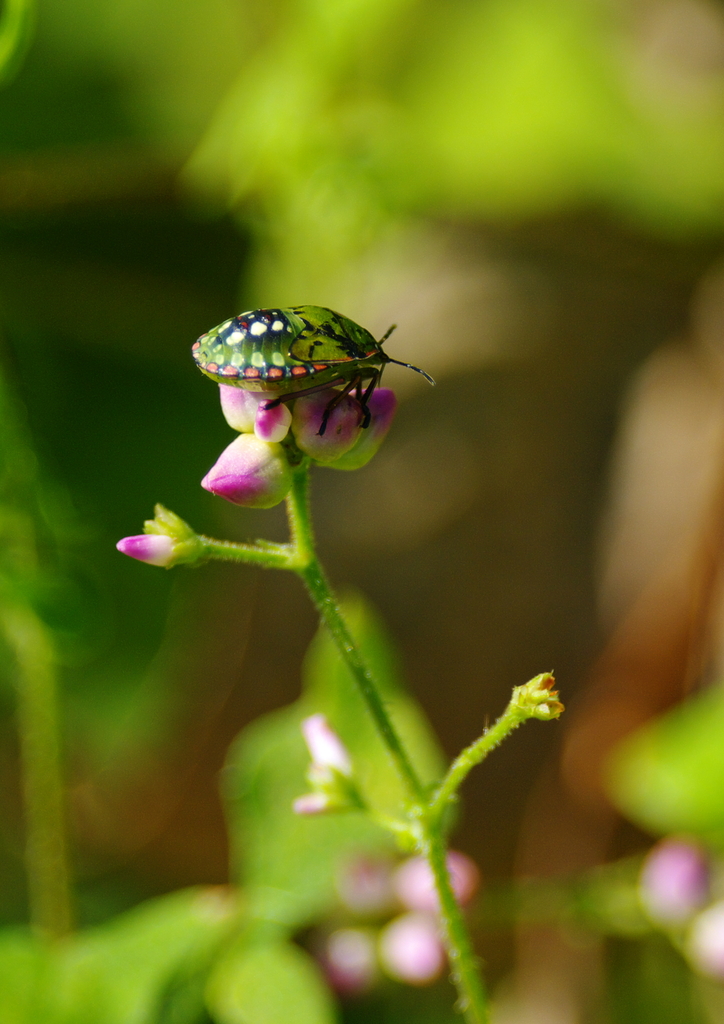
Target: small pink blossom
{"points": [[382, 406], [411, 950], [250, 472], [705, 946], [155, 549], [350, 961], [240, 406], [325, 747], [365, 886], [312, 803], [414, 884], [272, 424], [674, 881], [344, 425]]}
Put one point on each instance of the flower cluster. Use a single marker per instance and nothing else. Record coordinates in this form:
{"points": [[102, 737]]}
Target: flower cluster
{"points": [[397, 929], [408, 948], [254, 470], [676, 884]]}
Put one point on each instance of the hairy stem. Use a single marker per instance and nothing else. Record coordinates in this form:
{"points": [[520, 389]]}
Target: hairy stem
{"points": [[464, 967], [46, 852], [472, 756], [311, 572]]}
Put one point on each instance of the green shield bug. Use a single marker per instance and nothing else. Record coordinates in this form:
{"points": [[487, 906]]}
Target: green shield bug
{"points": [[296, 351]]}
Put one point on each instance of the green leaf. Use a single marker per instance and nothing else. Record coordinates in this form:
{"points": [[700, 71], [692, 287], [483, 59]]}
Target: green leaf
{"points": [[288, 862], [269, 984], [118, 973], [669, 776], [23, 972]]}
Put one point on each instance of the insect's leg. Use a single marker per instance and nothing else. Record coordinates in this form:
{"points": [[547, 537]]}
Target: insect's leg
{"points": [[289, 396], [366, 397], [353, 383]]}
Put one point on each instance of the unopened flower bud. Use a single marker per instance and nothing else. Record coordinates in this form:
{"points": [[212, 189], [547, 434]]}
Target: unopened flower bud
{"points": [[350, 961], [537, 699], [343, 428], [411, 950], [240, 407], [312, 803], [272, 424], [167, 541], [250, 472], [364, 886], [674, 881], [330, 773], [414, 883], [382, 406], [156, 550], [705, 945], [325, 747]]}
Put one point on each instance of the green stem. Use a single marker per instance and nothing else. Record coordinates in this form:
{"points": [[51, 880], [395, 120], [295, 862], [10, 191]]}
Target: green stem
{"points": [[464, 969], [309, 569], [46, 853], [264, 553], [511, 718], [425, 817]]}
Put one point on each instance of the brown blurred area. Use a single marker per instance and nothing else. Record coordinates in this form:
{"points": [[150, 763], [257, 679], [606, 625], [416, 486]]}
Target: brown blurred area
{"points": [[555, 503], [660, 607], [477, 533]]}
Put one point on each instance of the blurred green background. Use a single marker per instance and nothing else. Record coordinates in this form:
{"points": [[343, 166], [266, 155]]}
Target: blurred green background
{"points": [[531, 189]]}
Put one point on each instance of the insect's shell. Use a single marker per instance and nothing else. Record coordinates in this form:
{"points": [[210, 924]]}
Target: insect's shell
{"points": [[286, 350]]}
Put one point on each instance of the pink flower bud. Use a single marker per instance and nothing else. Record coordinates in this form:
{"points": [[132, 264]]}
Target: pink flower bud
{"points": [[272, 424], [325, 747], [365, 886], [382, 406], [705, 946], [312, 803], [350, 961], [342, 431], [411, 950], [250, 472], [674, 881], [156, 549], [240, 406], [414, 884]]}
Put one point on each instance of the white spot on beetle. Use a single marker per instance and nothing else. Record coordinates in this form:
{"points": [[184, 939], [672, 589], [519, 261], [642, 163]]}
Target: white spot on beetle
{"points": [[257, 359], [277, 325], [277, 359], [257, 328]]}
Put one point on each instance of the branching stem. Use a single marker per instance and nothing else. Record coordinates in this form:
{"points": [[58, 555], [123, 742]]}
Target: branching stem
{"points": [[425, 814]]}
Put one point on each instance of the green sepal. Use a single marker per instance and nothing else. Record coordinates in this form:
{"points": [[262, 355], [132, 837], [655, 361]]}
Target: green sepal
{"points": [[187, 546]]}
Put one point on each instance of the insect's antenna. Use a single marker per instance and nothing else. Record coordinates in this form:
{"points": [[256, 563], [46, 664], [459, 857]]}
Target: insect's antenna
{"points": [[411, 367], [387, 333]]}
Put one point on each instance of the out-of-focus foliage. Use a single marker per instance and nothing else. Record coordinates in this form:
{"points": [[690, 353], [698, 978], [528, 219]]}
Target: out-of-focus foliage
{"points": [[669, 776], [16, 25], [269, 983], [129, 971], [340, 134], [347, 120], [288, 863]]}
